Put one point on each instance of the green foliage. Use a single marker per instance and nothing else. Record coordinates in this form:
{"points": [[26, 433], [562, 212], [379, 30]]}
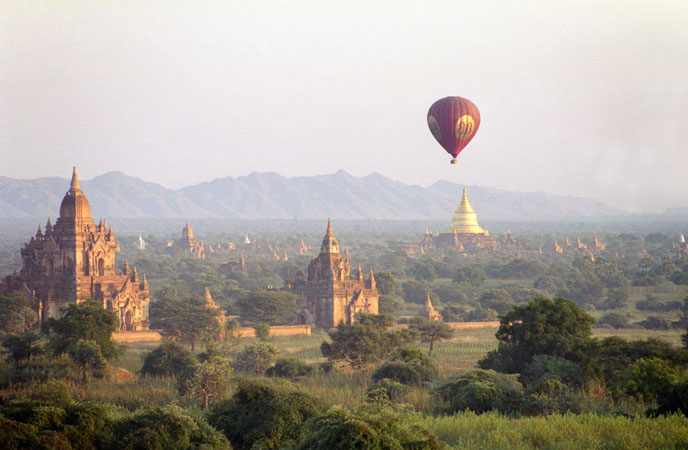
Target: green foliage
{"points": [[545, 326], [390, 304], [290, 368], [255, 358], [674, 399], [547, 367], [516, 269], [344, 429], [185, 320], [271, 307], [366, 341], [422, 270], [168, 427], [386, 283], [24, 346], [386, 391], [453, 313], [264, 414], [472, 274], [614, 320], [431, 331], [92, 426], [612, 356], [262, 331], [655, 323], [169, 359], [210, 380], [88, 320], [16, 315], [481, 391], [646, 379], [86, 354], [407, 366], [498, 299]]}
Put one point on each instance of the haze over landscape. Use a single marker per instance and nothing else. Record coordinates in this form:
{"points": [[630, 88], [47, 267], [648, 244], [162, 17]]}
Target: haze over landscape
{"points": [[586, 98]]}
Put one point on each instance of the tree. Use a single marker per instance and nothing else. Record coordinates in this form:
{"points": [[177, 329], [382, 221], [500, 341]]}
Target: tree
{"points": [[431, 331], [365, 341], [423, 270], [256, 358], [390, 304], [271, 307], [16, 315], [615, 320], [386, 283], [544, 326], [210, 380], [185, 320], [646, 379], [22, 347], [87, 320], [265, 414], [498, 299], [169, 359], [262, 331], [86, 353], [472, 274]]}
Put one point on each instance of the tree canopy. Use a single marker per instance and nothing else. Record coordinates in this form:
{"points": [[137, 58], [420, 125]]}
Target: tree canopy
{"points": [[185, 320], [366, 341], [271, 307], [87, 320]]}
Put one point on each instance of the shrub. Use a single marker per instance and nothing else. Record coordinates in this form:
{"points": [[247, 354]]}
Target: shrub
{"points": [[385, 391], [407, 366], [255, 358], [646, 379], [615, 320], [481, 391], [264, 414], [167, 427], [655, 323], [344, 429], [169, 359], [289, 368]]}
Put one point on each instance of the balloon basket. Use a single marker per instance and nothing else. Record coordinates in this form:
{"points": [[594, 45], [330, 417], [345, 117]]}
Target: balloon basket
{"points": [[453, 161]]}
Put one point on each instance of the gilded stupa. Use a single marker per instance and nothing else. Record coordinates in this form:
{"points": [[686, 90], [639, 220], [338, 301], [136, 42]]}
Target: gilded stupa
{"points": [[464, 231], [464, 219]]}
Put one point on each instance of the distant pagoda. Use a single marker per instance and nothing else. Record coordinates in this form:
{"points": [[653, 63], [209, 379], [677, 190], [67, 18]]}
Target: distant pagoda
{"points": [[463, 233]]}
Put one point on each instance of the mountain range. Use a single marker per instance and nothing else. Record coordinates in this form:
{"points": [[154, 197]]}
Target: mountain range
{"points": [[272, 196]]}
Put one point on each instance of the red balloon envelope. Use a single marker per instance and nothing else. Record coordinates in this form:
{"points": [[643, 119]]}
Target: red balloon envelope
{"points": [[453, 121]]}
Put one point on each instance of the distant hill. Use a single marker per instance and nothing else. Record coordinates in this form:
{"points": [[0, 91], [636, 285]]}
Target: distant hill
{"points": [[272, 196]]}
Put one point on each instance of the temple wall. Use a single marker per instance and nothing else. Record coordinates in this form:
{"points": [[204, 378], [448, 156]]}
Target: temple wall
{"points": [[136, 336], [279, 330]]}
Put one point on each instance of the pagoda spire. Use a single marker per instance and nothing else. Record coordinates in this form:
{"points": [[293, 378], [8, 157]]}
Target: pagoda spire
{"points": [[329, 243], [74, 186]]}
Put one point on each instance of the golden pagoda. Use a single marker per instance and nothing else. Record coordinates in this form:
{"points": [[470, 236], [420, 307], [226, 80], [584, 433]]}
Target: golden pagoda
{"points": [[464, 219], [463, 233]]}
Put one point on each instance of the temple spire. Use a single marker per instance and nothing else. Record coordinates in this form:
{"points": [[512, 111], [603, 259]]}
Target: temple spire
{"points": [[74, 186], [329, 243]]}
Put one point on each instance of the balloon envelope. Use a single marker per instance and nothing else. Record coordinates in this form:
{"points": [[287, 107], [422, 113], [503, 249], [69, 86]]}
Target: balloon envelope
{"points": [[453, 121]]}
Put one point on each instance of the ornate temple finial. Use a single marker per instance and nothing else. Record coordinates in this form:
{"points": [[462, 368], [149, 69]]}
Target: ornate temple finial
{"points": [[329, 227], [372, 279], [208, 297], [74, 185], [145, 282], [125, 270], [360, 272], [39, 232], [48, 227]]}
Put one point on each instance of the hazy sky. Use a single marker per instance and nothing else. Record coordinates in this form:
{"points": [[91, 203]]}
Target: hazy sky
{"points": [[588, 98]]}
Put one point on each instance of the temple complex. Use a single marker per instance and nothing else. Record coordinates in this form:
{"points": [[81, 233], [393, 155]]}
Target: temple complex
{"points": [[189, 244], [75, 260], [464, 232], [329, 294]]}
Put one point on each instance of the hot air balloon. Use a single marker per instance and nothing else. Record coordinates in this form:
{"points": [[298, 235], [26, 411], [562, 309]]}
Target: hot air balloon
{"points": [[453, 121]]}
